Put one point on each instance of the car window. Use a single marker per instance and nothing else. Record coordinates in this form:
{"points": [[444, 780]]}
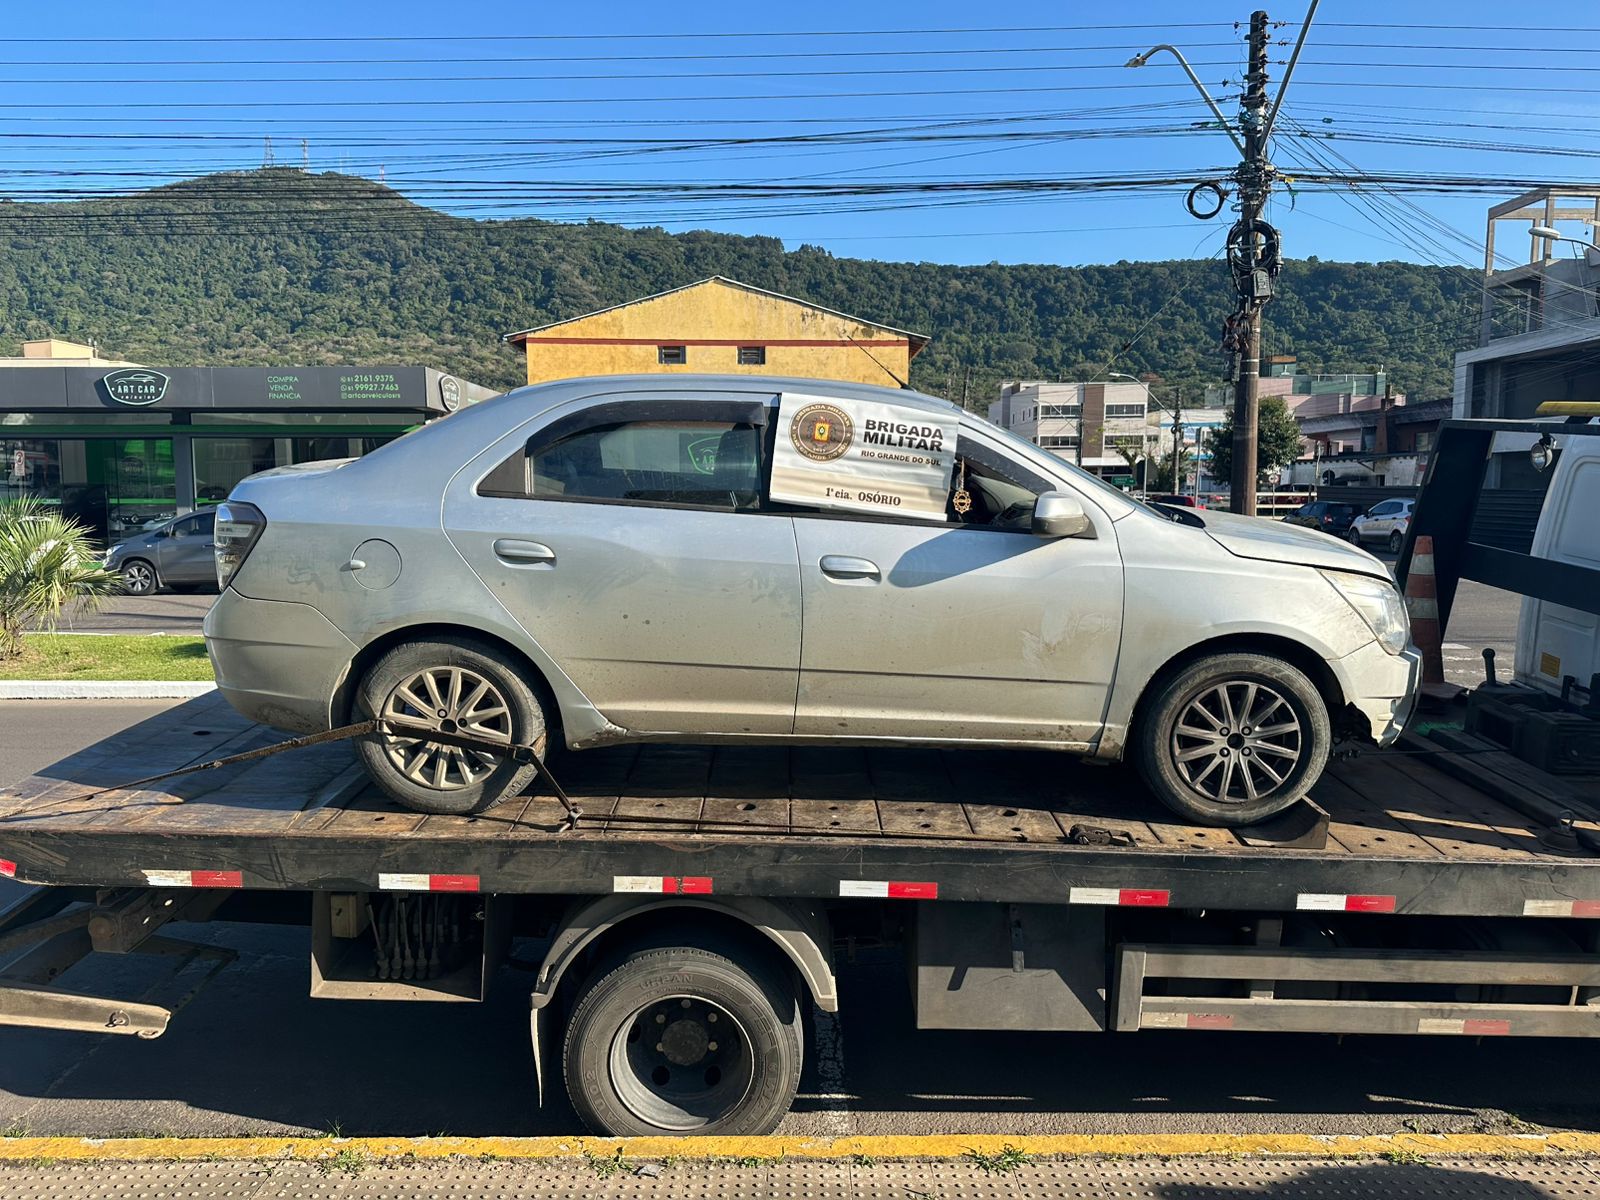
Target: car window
{"points": [[710, 464], [1384, 509], [1002, 492], [1344, 510], [192, 526]]}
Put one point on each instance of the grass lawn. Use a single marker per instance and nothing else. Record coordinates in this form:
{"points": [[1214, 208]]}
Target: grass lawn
{"points": [[113, 656]]}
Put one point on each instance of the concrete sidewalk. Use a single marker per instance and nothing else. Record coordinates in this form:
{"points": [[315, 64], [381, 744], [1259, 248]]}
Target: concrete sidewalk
{"points": [[346, 1175]]}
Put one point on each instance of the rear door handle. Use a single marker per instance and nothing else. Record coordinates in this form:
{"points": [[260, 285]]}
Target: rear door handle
{"points": [[842, 566], [519, 553]]}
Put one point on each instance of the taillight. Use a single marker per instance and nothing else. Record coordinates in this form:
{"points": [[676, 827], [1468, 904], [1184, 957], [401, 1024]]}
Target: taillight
{"points": [[238, 528]]}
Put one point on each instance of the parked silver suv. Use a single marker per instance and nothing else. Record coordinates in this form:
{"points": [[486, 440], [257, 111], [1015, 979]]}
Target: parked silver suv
{"points": [[602, 557]]}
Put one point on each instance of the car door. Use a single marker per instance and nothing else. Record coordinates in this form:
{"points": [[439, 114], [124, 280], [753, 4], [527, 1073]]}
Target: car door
{"points": [[185, 555], [627, 538], [974, 630], [1384, 515]]}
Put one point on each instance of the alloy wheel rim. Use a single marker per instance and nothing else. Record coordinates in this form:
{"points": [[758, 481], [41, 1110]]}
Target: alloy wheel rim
{"points": [[1237, 742], [138, 577], [452, 700], [681, 1063]]}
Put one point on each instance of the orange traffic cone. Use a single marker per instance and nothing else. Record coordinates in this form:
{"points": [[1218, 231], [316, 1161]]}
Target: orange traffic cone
{"points": [[1422, 602]]}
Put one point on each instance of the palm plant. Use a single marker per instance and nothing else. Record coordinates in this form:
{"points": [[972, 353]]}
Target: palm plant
{"points": [[47, 565]]}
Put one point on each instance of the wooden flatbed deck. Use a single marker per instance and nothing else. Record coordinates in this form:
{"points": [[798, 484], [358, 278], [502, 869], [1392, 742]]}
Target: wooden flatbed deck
{"points": [[972, 825]]}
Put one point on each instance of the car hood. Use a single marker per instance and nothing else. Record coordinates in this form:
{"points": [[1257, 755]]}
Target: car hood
{"points": [[1278, 541], [139, 541]]}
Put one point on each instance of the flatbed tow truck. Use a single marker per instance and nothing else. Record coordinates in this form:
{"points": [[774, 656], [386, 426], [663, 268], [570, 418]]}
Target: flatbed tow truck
{"points": [[1441, 887]]}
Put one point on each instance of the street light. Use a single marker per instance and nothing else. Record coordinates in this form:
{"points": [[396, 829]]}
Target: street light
{"points": [[1545, 234], [1139, 60]]}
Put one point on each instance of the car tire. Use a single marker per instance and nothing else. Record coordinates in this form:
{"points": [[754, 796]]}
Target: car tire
{"points": [[1207, 777], [1396, 540], [623, 1082], [1353, 536], [139, 577], [465, 686]]}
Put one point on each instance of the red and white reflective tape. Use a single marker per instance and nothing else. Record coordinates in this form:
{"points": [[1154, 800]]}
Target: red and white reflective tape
{"points": [[199, 879], [1122, 897], [8, 868], [1561, 908], [667, 885], [1186, 1020], [1343, 902], [427, 883], [887, 889], [1472, 1027]]}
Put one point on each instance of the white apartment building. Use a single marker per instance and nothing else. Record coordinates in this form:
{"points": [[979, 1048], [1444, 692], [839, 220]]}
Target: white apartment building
{"points": [[1080, 422]]}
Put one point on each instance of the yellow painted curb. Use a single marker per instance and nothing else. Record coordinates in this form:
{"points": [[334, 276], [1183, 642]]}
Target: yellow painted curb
{"points": [[953, 1146]]}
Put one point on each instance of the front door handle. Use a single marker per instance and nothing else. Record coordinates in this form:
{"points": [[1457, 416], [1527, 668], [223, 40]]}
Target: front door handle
{"points": [[520, 553], [842, 566]]}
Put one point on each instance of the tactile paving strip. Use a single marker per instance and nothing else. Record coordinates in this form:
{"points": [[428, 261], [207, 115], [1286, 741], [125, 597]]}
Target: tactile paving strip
{"points": [[1068, 1179]]}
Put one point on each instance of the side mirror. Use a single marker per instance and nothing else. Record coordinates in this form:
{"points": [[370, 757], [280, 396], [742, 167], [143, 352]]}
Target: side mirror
{"points": [[1058, 515]]}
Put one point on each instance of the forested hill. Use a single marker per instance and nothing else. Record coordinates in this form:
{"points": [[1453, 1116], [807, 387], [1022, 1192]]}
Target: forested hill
{"points": [[282, 267]]}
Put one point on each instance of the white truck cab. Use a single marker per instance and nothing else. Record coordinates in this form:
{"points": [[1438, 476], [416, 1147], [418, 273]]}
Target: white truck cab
{"points": [[1553, 641]]}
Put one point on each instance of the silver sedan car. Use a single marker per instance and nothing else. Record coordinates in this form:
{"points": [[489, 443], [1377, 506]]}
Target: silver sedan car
{"points": [[601, 559]]}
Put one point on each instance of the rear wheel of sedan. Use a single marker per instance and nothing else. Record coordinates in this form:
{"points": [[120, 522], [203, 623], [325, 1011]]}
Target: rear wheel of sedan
{"points": [[1395, 540], [1233, 739], [456, 686], [138, 577]]}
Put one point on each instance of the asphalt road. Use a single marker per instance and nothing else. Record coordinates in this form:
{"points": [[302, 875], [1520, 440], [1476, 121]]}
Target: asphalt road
{"points": [[253, 1054], [165, 612]]}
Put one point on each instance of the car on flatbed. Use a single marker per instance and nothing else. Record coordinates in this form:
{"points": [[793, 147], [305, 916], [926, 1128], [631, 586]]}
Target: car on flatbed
{"points": [[605, 560]]}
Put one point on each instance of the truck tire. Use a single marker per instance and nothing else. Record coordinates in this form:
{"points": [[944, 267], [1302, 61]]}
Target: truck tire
{"points": [[455, 684], [1233, 739], [684, 1040]]}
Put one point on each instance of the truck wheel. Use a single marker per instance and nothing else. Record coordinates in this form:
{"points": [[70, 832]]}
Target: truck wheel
{"points": [[1233, 739], [455, 685], [684, 1040], [138, 577]]}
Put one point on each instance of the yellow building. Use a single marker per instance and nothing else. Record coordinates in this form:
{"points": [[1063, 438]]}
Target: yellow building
{"points": [[722, 327]]}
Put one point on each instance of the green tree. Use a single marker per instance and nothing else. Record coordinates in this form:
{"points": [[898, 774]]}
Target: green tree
{"points": [[47, 565], [1277, 442]]}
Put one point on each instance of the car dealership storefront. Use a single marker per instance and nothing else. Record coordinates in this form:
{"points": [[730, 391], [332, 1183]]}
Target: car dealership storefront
{"points": [[124, 448]]}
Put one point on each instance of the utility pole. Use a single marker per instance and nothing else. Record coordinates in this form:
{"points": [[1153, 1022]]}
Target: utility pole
{"points": [[1255, 253], [966, 387], [1252, 271], [1177, 442]]}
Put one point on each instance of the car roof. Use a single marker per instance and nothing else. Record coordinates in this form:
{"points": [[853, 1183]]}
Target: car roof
{"points": [[568, 389]]}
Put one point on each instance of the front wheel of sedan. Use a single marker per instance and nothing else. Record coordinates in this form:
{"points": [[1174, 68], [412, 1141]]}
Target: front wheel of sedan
{"points": [[1233, 739], [453, 685], [1353, 535], [138, 577]]}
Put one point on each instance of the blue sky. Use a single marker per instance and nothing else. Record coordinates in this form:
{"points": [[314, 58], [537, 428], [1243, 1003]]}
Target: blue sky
{"points": [[495, 111]]}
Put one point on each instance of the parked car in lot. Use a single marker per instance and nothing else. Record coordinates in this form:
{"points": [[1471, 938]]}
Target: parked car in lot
{"points": [[1385, 523], [1326, 515], [1177, 501], [601, 560], [176, 553]]}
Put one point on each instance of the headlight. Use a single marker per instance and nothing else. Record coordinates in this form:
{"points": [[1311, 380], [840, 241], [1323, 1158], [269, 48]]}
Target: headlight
{"points": [[1379, 603], [238, 527]]}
